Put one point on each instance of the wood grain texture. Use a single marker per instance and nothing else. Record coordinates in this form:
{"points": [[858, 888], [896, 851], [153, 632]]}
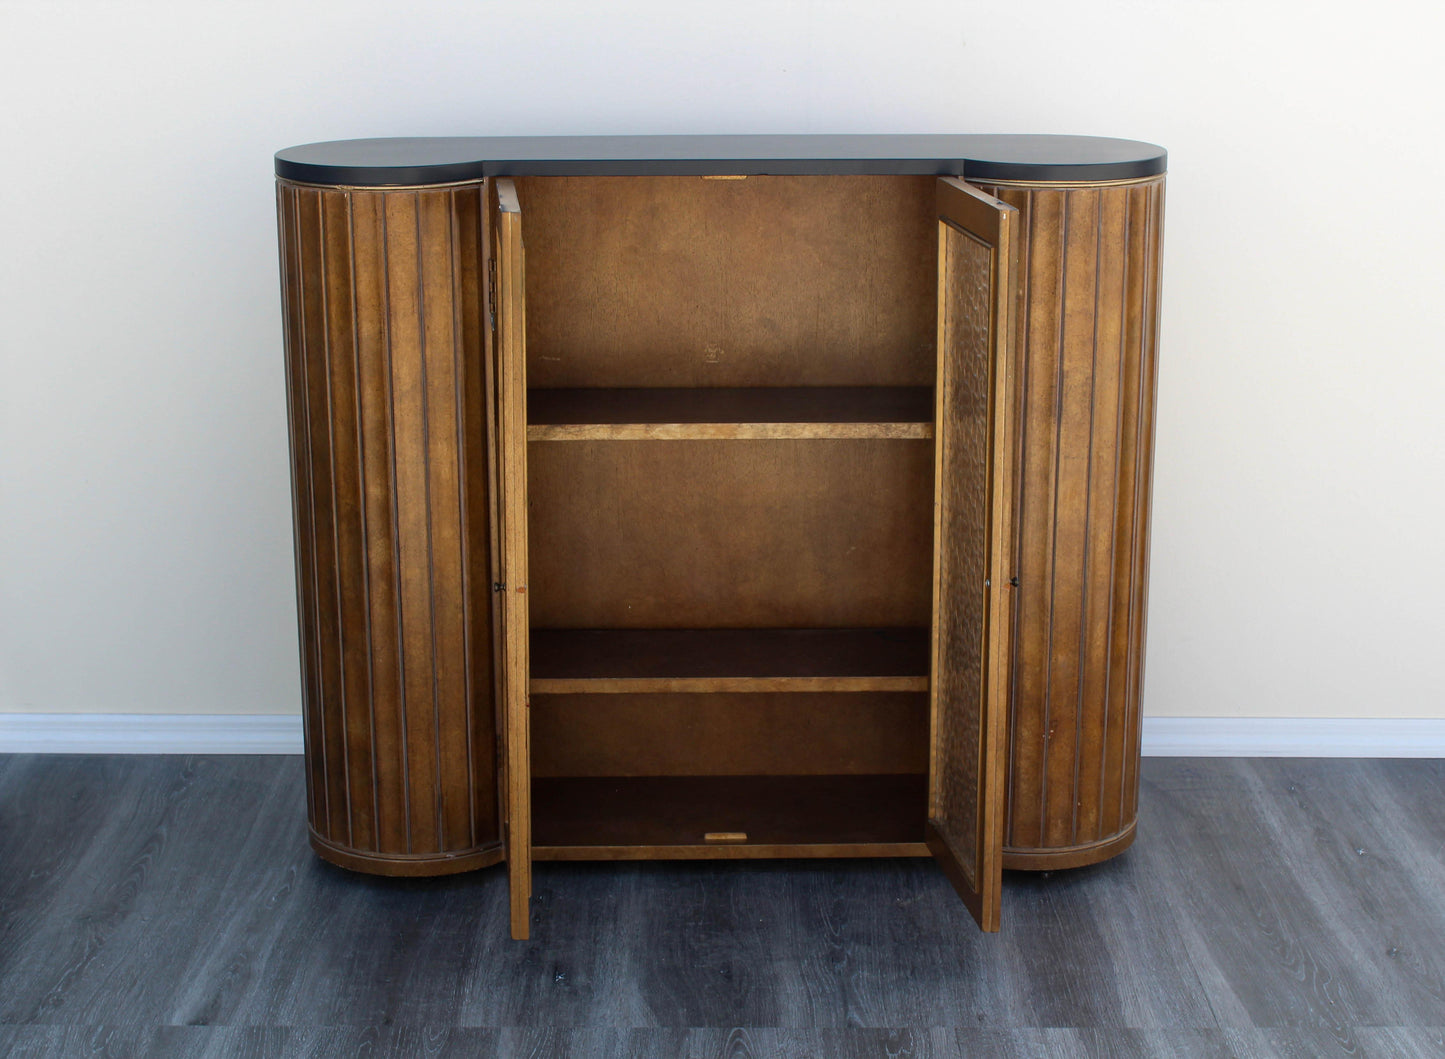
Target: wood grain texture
{"points": [[972, 542], [168, 906], [719, 534], [509, 298], [384, 345], [601, 661], [790, 490], [745, 414], [1088, 346], [721, 685], [743, 849], [725, 734], [617, 813], [817, 405], [734, 1042], [769, 281], [727, 431]]}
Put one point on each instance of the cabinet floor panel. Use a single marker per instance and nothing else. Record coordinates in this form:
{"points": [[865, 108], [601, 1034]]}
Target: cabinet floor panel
{"points": [[746, 816], [573, 661], [763, 412], [736, 851]]}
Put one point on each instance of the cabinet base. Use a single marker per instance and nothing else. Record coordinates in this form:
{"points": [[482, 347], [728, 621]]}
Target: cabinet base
{"points": [[1067, 856], [406, 864]]}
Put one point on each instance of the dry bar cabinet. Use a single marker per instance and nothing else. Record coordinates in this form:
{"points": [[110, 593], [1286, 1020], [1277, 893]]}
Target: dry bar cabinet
{"points": [[711, 497]]}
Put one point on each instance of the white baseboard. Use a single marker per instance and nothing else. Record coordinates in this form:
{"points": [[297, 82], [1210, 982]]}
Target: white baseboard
{"points": [[147, 733], [1292, 737]]}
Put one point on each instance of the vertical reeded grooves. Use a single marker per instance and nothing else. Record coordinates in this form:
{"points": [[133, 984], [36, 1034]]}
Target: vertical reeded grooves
{"points": [[1087, 355], [386, 347]]}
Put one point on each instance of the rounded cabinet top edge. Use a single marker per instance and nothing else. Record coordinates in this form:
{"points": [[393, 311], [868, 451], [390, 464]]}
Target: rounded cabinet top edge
{"points": [[421, 161]]}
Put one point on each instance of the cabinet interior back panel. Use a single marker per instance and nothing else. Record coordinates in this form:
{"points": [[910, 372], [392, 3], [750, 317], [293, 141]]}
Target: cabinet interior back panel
{"points": [[729, 734], [763, 281], [730, 534]]}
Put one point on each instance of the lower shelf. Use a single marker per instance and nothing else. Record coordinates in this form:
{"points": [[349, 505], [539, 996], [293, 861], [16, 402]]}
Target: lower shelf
{"points": [[667, 817]]}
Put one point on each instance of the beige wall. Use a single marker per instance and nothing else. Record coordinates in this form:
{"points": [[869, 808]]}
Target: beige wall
{"points": [[144, 515]]}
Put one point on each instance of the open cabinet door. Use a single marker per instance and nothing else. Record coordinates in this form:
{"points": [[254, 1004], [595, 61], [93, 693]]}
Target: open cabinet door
{"points": [[973, 532], [509, 319]]}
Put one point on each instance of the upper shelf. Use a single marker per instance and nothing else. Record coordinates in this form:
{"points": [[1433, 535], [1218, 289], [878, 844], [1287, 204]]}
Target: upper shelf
{"points": [[749, 413], [641, 661], [411, 161]]}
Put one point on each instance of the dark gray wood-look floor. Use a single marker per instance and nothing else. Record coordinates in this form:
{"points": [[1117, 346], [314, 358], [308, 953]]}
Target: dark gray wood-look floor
{"points": [[169, 906]]}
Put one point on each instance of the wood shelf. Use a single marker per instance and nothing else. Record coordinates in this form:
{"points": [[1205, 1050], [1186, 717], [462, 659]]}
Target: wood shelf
{"points": [[745, 413], [579, 661], [657, 817]]}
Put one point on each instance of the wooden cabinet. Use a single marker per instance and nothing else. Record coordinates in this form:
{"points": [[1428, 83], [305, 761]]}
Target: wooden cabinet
{"points": [[726, 497]]}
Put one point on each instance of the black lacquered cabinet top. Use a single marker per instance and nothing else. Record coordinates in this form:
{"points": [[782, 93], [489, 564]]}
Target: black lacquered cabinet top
{"points": [[404, 161]]}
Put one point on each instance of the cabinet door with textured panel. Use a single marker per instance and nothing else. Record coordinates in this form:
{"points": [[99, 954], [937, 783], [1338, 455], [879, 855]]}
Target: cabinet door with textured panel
{"points": [[973, 477], [509, 319]]}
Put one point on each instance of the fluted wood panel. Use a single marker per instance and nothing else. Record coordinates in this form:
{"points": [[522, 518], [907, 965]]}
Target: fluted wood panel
{"points": [[1089, 296], [385, 333]]}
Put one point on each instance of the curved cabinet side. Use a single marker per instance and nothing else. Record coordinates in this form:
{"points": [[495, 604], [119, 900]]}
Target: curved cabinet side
{"points": [[1087, 343], [383, 297]]}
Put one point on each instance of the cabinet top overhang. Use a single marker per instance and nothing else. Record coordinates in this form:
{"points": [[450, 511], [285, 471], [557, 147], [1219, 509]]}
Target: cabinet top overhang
{"points": [[409, 161]]}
